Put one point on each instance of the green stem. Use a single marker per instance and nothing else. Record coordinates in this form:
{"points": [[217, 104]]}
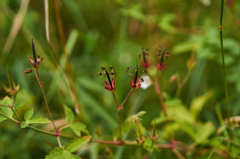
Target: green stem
{"points": [[223, 60], [119, 114], [225, 71]]}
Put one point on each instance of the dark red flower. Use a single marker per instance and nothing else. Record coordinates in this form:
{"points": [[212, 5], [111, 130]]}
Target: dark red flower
{"points": [[35, 61], [110, 83], [145, 62], [135, 83], [110, 86], [163, 56], [160, 66]]}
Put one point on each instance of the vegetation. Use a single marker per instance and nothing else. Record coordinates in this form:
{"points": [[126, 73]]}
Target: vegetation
{"points": [[119, 79]]}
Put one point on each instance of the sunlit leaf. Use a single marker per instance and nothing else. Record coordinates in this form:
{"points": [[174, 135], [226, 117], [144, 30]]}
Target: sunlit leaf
{"points": [[78, 143], [199, 102], [28, 115], [59, 153], [79, 128], [166, 23], [68, 114], [5, 110]]}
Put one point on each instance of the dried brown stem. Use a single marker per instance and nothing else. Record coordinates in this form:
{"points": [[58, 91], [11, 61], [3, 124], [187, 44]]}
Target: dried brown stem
{"points": [[47, 20], [17, 23]]}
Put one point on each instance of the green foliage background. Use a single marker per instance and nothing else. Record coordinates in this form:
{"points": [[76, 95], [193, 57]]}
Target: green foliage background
{"points": [[112, 32]]}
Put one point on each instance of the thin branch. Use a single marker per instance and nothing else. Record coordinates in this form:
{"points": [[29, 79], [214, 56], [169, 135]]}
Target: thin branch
{"points": [[47, 106], [159, 94], [119, 114], [4, 105], [178, 154], [127, 97]]}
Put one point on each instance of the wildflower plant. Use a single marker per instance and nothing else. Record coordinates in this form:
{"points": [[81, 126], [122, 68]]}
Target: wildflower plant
{"points": [[74, 136]]}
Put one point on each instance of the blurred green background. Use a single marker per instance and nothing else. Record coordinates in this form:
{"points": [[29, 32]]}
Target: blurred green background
{"points": [[112, 32]]}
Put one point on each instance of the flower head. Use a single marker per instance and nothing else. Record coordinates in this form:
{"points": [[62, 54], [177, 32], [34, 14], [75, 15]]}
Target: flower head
{"points": [[35, 60], [163, 54], [145, 61], [135, 80], [13, 88], [110, 82]]}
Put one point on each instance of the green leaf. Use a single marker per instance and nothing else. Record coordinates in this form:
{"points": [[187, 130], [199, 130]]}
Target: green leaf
{"points": [[78, 128], [204, 131], [78, 143], [165, 23], [68, 114], [38, 120], [148, 144], [179, 113], [59, 153], [2, 118], [198, 103], [134, 11], [72, 39], [5, 110], [183, 47], [28, 115]]}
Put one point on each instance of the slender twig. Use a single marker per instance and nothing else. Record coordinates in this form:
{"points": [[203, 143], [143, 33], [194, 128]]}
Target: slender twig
{"points": [[183, 82], [12, 107], [47, 106], [100, 141], [4, 105], [127, 97], [119, 114], [159, 94], [178, 154], [36, 129]]}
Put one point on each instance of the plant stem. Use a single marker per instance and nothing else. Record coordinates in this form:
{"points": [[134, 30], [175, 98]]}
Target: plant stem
{"points": [[178, 154], [160, 97], [224, 70], [100, 141], [47, 106], [126, 98], [223, 59], [4, 105], [12, 107], [36, 129], [119, 114]]}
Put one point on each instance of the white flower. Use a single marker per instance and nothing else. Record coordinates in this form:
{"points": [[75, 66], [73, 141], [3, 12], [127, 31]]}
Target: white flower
{"points": [[146, 82]]}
